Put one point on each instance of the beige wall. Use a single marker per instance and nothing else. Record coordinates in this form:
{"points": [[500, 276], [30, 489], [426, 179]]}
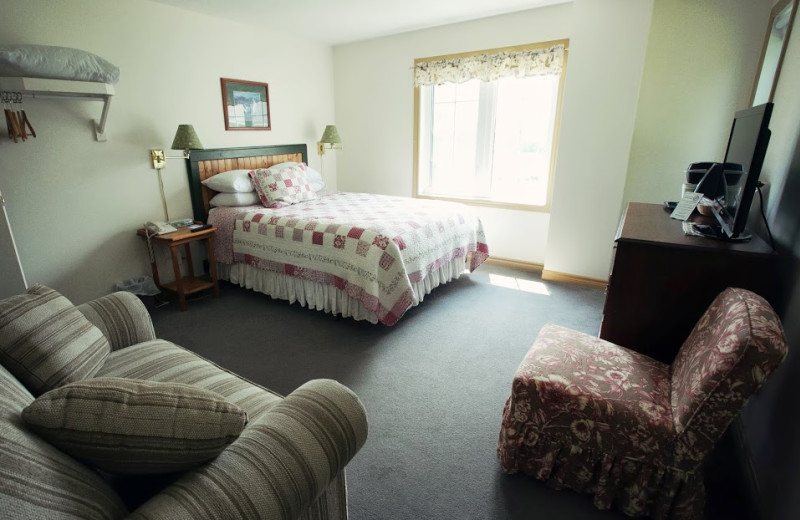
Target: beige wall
{"points": [[374, 107], [600, 100], [12, 280], [643, 98], [74, 203], [375, 112], [700, 68], [629, 109]]}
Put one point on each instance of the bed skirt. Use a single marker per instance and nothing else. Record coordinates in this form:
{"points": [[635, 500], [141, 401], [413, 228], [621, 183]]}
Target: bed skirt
{"points": [[328, 298]]}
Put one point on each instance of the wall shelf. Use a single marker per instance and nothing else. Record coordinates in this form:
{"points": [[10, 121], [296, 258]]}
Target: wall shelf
{"points": [[40, 87]]}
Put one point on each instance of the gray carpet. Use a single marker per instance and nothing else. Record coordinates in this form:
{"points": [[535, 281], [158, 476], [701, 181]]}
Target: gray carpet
{"points": [[433, 385]]}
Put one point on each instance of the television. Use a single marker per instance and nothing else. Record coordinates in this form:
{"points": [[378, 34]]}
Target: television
{"points": [[738, 174]]}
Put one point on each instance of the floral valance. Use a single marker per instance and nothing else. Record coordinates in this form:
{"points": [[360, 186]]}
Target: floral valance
{"points": [[490, 66]]}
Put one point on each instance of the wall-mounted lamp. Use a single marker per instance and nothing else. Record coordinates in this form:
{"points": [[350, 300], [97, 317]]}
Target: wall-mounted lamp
{"points": [[158, 158], [330, 140], [159, 163], [185, 139]]}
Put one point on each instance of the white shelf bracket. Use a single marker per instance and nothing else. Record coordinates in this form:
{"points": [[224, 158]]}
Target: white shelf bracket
{"points": [[100, 127], [39, 87]]}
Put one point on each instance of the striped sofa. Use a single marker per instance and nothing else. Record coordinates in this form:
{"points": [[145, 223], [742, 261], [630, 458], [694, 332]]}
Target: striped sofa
{"points": [[288, 462]]}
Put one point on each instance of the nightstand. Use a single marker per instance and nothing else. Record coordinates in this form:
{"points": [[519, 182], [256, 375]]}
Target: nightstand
{"points": [[190, 283]]}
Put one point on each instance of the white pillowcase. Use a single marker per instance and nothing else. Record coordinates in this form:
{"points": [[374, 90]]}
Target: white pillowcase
{"points": [[314, 178], [232, 181], [235, 199]]}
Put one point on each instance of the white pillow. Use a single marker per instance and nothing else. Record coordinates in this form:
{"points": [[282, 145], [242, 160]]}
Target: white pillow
{"points": [[286, 164], [232, 181], [235, 199], [46, 61], [313, 176]]}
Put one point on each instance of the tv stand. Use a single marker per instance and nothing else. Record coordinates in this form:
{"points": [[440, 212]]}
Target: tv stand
{"points": [[662, 280]]}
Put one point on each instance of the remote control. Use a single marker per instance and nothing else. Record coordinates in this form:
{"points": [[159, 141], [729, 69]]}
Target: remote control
{"points": [[200, 228]]}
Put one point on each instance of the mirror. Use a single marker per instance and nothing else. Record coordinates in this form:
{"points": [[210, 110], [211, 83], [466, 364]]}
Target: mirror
{"points": [[780, 26]]}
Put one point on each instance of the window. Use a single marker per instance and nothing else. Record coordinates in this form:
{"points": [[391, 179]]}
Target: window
{"points": [[487, 125]]}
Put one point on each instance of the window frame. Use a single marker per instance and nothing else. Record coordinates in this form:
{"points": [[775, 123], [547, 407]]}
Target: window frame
{"points": [[556, 129]]}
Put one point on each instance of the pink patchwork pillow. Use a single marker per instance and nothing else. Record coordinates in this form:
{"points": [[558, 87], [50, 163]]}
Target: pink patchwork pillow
{"points": [[282, 187]]}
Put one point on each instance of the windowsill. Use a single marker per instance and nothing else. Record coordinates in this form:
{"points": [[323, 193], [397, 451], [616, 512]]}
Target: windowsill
{"points": [[488, 203]]}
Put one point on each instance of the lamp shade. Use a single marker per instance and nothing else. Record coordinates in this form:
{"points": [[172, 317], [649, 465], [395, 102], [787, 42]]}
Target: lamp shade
{"points": [[331, 135], [186, 139]]}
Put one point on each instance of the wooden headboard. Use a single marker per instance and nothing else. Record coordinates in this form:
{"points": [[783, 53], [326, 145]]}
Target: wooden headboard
{"points": [[203, 164]]}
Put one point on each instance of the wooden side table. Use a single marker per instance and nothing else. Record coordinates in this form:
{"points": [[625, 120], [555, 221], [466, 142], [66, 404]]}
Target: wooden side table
{"points": [[190, 283]]}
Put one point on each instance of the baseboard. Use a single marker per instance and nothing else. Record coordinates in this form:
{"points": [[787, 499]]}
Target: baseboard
{"points": [[553, 276], [515, 264], [574, 279]]}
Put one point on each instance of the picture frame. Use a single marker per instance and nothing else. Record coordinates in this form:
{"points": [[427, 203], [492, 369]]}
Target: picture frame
{"points": [[245, 105], [775, 42]]}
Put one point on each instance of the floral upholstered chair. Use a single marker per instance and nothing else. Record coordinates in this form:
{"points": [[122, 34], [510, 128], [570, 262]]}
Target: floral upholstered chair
{"points": [[598, 418]]}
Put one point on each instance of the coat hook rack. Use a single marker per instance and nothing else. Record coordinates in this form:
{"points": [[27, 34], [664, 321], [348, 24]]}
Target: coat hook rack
{"points": [[17, 120], [40, 87]]}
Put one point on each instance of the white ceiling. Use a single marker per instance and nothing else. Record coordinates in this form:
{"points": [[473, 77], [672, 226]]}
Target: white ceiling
{"points": [[342, 21]]}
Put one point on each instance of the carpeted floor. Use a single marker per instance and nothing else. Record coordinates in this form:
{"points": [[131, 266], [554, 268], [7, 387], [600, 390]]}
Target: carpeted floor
{"points": [[433, 385]]}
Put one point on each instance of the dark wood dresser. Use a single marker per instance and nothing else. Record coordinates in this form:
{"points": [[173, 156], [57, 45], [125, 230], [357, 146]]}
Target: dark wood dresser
{"points": [[662, 281]]}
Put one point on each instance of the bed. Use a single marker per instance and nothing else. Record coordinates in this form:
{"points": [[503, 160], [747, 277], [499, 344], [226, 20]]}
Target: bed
{"points": [[365, 256]]}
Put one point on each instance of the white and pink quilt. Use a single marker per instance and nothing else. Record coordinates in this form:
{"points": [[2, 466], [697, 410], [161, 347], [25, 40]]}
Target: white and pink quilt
{"points": [[374, 248]]}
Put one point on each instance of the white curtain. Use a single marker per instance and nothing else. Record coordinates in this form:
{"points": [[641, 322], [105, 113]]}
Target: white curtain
{"points": [[490, 66]]}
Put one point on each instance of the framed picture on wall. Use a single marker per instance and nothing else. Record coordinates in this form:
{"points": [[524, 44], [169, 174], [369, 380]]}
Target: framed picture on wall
{"points": [[775, 42], [245, 105]]}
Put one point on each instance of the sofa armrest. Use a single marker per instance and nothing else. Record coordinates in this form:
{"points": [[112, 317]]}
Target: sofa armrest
{"points": [[278, 466], [121, 317]]}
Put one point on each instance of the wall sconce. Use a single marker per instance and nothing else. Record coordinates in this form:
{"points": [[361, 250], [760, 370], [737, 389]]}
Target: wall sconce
{"points": [[330, 137], [159, 163], [158, 158], [185, 139]]}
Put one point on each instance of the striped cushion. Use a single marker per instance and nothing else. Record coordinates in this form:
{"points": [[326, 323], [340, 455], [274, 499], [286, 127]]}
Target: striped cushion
{"points": [[46, 342], [160, 360], [121, 317], [279, 467], [136, 427], [39, 481]]}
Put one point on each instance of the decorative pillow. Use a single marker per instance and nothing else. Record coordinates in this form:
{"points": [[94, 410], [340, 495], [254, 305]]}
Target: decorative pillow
{"points": [[135, 427], [282, 187], [313, 176], [235, 199], [63, 486], [47, 342], [231, 181]]}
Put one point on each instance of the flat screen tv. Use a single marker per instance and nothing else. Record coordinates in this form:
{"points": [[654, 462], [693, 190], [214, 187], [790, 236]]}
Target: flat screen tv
{"points": [[744, 156]]}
